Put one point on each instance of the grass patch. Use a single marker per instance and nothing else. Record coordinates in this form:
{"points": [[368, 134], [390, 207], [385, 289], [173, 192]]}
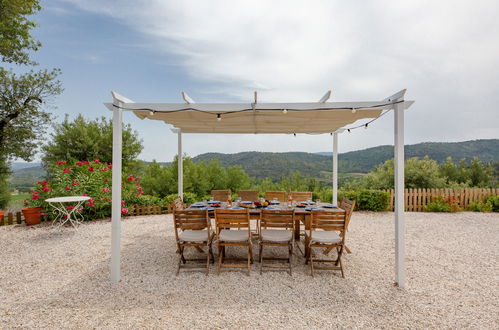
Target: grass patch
{"points": [[17, 200]]}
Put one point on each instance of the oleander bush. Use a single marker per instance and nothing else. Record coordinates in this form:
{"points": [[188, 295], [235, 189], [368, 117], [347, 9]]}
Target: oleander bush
{"points": [[84, 178], [441, 204]]}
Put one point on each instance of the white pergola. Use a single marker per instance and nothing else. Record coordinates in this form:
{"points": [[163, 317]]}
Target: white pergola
{"points": [[261, 118]]}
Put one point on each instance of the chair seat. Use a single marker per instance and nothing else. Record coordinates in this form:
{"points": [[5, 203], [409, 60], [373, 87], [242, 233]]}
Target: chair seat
{"points": [[193, 235], [227, 235], [319, 236], [275, 235]]}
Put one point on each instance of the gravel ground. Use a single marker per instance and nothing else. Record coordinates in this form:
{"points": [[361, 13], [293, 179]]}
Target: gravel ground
{"points": [[55, 279]]}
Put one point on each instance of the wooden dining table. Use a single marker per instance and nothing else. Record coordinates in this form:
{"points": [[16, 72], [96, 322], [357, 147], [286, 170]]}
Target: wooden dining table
{"points": [[302, 214]]}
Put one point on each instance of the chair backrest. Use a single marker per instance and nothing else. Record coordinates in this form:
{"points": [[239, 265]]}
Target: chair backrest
{"points": [[178, 204], [221, 195], [191, 220], [301, 196], [284, 219], [328, 220], [232, 219], [280, 195], [347, 205], [248, 195]]}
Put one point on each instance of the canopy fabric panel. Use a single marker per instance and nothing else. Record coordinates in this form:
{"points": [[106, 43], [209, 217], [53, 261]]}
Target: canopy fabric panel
{"points": [[259, 118], [260, 121]]}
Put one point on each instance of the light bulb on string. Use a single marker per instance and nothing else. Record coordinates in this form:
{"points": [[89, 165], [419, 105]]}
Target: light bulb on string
{"points": [[354, 110], [219, 117], [284, 111], [151, 113]]}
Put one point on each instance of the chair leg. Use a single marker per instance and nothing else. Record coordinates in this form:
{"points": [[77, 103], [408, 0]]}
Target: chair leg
{"points": [[261, 258], [340, 253], [290, 260], [251, 251], [249, 258], [208, 253], [220, 256], [182, 254], [178, 266], [260, 253], [311, 262], [211, 254]]}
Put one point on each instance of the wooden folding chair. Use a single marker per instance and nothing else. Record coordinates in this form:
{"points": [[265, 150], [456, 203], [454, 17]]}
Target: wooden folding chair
{"points": [[221, 195], [280, 195], [193, 228], [248, 195], [233, 229], [178, 204], [327, 230], [347, 205], [300, 196], [277, 229]]}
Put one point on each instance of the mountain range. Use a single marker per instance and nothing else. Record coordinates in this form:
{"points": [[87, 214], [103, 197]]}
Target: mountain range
{"points": [[276, 165]]}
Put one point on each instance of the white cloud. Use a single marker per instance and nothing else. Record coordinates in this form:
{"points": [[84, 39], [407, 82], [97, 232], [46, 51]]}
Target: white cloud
{"points": [[445, 52]]}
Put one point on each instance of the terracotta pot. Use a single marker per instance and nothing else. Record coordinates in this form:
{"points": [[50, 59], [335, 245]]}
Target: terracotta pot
{"points": [[2, 213], [32, 215]]}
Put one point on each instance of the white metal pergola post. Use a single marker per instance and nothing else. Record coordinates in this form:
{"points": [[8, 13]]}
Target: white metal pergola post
{"points": [[116, 194], [335, 169], [180, 166], [399, 196]]}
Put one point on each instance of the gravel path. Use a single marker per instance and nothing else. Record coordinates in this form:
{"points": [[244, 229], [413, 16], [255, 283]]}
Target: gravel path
{"points": [[54, 279]]}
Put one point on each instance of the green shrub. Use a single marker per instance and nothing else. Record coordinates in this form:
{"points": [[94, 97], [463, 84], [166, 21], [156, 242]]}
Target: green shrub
{"points": [[369, 200], [494, 203], [438, 205], [480, 207]]}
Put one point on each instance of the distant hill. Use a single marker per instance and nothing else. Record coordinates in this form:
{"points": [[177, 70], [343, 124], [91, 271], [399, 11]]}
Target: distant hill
{"points": [[275, 165]]}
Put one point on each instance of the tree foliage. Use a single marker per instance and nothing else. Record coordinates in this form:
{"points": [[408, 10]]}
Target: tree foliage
{"points": [[23, 97], [15, 30], [85, 139]]}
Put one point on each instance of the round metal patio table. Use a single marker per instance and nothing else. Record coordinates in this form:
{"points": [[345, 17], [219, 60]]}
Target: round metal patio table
{"points": [[64, 215]]}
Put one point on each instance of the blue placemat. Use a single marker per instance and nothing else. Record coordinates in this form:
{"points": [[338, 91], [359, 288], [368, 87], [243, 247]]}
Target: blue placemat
{"points": [[312, 209], [329, 206], [274, 202], [307, 203], [236, 208], [198, 205], [214, 202]]}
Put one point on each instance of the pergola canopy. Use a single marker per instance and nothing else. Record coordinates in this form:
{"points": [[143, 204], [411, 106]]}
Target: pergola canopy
{"points": [[263, 118], [312, 117]]}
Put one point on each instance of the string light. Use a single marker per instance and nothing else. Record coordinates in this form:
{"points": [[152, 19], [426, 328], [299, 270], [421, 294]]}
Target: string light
{"points": [[219, 117], [294, 134], [354, 110], [366, 125], [284, 111], [348, 129], [151, 113]]}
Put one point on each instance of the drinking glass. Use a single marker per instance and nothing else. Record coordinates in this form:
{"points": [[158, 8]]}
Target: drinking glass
{"points": [[318, 202], [275, 200]]}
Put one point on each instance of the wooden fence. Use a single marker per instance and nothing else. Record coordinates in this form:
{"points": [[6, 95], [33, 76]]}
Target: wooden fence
{"points": [[416, 199]]}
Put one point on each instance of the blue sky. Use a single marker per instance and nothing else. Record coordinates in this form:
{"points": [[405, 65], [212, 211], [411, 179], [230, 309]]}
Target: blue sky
{"points": [[445, 54]]}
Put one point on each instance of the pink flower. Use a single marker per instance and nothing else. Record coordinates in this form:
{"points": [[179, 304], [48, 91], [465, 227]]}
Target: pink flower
{"points": [[130, 178], [70, 207], [25, 202], [77, 183], [85, 162], [110, 165], [60, 162], [79, 163], [106, 180], [124, 210], [35, 197], [104, 169], [68, 188], [122, 203], [45, 189], [85, 194], [91, 169], [96, 160], [106, 190], [66, 170]]}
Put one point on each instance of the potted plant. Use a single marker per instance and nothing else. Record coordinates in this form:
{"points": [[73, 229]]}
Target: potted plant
{"points": [[2, 213], [33, 212]]}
